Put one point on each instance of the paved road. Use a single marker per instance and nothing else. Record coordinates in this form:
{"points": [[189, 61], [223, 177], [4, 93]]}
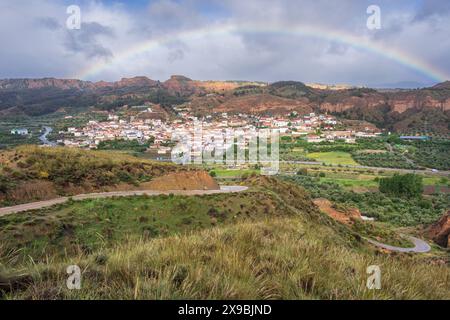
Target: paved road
{"points": [[44, 138], [316, 163], [440, 173], [420, 246], [48, 203]]}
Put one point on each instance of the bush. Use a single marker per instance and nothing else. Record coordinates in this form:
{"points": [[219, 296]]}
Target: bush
{"points": [[408, 185], [4, 184], [425, 204]]}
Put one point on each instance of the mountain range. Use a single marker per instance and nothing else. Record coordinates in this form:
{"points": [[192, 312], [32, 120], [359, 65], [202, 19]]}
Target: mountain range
{"points": [[425, 110]]}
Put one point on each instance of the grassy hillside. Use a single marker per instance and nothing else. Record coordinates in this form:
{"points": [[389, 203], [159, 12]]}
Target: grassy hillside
{"points": [[33, 173], [83, 227], [270, 242]]}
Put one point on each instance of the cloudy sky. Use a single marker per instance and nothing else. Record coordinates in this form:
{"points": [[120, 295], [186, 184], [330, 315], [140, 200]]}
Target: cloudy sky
{"points": [[322, 41]]}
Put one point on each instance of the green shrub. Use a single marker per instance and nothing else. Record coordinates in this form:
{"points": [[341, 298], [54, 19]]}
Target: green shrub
{"points": [[408, 185]]}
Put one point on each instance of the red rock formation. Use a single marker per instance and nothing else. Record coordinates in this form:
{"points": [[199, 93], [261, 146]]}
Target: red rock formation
{"points": [[440, 231], [347, 217], [181, 85], [136, 82], [191, 180]]}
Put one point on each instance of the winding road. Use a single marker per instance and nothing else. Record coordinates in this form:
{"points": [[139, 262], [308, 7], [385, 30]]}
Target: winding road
{"points": [[48, 203], [43, 138], [420, 246]]}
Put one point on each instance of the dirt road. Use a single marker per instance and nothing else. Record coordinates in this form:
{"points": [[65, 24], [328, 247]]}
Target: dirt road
{"points": [[48, 203]]}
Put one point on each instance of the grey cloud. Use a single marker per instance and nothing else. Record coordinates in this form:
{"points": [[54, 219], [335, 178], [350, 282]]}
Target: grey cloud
{"points": [[389, 29], [85, 40], [333, 14], [432, 8], [337, 48], [49, 23], [175, 55], [165, 15], [144, 30]]}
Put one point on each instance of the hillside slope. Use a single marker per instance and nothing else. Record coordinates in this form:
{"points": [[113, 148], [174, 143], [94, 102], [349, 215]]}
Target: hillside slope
{"points": [[268, 243], [35, 97], [32, 173], [263, 104]]}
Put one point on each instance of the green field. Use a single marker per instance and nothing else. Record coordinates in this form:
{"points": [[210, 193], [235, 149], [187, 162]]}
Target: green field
{"points": [[440, 181], [334, 157], [353, 183]]}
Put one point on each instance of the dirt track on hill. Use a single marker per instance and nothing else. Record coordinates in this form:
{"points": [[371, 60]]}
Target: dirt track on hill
{"points": [[45, 204]]}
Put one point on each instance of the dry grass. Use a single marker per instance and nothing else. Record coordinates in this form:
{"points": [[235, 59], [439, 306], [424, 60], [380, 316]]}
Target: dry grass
{"points": [[33, 190], [35, 173], [282, 258]]}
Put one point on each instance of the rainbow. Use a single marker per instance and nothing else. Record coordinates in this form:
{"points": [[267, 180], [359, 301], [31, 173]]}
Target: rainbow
{"points": [[362, 43]]}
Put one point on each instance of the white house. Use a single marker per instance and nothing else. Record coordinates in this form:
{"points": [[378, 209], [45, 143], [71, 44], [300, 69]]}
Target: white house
{"points": [[20, 132]]}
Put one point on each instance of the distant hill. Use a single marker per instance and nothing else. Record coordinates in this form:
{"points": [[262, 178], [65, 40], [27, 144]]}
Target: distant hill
{"points": [[264, 104], [444, 86], [34, 97], [322, 86], [401, 85], [291, 89], [409, 111]]}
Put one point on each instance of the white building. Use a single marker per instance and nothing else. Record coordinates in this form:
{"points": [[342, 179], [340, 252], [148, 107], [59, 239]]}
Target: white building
{"points": [[20, 132]]}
